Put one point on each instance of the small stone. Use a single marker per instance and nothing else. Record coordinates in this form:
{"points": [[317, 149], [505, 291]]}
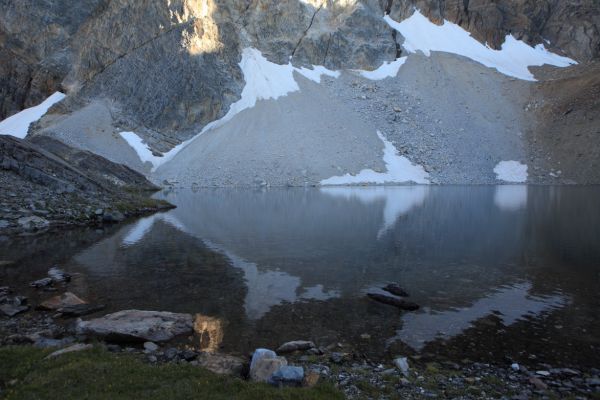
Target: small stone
{"points": [[150, 347], [296, 345], [338, 358], [189, 355], [58, 275], [595, 381], [402, 364], [538, 383], [171, 353], [365, 336], [311, 378], [33, 223], [404, 382], [40, 283], [515, 367], [10, 310], [152, 358], [543, 373]]}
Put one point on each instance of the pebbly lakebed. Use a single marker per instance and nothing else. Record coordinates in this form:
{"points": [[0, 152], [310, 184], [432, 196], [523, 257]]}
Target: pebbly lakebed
{"points": [[501, 273]]}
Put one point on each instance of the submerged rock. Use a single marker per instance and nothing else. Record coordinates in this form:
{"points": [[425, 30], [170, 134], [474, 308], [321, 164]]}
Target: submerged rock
{"points": [[393, 301], [112, 216], [79, 310], [136, 325], [296, 345], [67, 299]]}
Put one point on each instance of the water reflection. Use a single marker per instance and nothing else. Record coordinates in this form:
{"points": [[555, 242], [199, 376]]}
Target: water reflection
{"points": [[511, 197], [510, 304], [263, 266]]}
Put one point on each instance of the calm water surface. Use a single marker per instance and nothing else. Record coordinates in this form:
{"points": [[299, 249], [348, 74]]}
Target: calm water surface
{"points": [[500, 272]]}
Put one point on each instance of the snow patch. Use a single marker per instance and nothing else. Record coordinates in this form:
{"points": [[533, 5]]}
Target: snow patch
{"points": [[513, 59], [143, 151], [511, 171], [17, 125], [399, 170], [389, 69]]}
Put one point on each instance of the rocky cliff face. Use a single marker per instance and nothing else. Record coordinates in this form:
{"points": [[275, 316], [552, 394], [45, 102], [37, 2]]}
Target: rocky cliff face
{"points": [[168, 67], [572, 27]]}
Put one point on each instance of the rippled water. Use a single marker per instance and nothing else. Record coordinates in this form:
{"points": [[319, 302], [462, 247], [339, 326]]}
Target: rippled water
{"points": [[498, 271]]}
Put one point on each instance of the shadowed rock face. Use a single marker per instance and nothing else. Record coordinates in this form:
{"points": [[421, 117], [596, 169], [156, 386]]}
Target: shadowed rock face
{"points": [[170, 67]]}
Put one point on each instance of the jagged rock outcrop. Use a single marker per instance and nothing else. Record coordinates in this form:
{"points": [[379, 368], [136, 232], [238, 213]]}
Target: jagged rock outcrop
{"points": [[64, 186]]}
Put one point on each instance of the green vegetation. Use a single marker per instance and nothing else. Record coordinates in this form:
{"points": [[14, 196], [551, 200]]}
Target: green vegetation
{"points": [[98, 374]]}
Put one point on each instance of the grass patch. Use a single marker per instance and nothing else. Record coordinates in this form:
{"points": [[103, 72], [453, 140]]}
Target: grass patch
{"points": [[98, 374]]}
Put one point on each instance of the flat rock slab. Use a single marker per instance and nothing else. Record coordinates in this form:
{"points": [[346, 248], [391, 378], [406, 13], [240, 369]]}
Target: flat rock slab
{"points": [[136, 325]]}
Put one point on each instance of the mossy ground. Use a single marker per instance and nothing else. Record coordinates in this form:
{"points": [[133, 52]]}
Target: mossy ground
{"points": [[98, 374]]}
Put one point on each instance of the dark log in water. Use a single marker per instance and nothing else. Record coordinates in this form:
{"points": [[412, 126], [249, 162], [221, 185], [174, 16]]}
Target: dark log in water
{"points": [[395, 289], [394, 301]]}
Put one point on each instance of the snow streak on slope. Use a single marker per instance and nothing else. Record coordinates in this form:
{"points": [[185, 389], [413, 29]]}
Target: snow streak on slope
{"points": [[513, 59], [18, 124], [511, 171], [399, 170], [264, 80], [389, 69]]}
